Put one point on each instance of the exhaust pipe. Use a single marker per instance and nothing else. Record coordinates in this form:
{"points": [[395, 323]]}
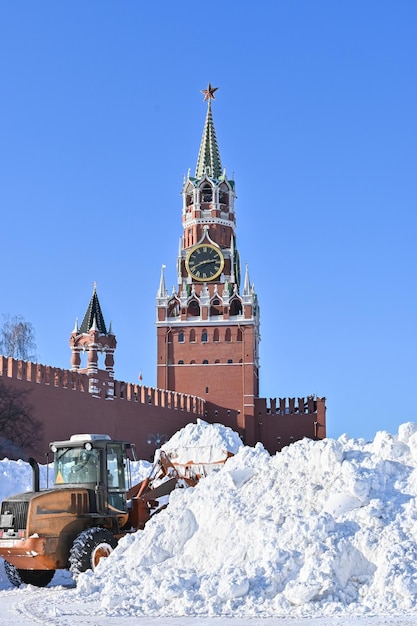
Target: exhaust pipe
{"points": [[35, 470]]}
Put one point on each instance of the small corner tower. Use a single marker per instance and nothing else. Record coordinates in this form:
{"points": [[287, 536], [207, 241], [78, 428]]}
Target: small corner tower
{"points": [[208, 327], [94, 338]]}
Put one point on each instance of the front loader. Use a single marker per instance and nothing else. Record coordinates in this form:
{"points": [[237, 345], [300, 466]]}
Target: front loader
{"points": [[91, 505]]}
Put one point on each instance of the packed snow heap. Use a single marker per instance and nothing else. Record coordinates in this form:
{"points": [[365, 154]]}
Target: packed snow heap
{"points": [[322, 528]]}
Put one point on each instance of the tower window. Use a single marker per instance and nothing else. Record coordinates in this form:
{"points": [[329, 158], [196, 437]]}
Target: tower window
{"points": [[215, 308], [180, 337], [180, 362], [205, 362], [239, 334], [192, 335], [173, 308], [194, 308], [228, 335], [216, 334], [236, 307], [230, 360], [207, 193], [224, 196], [204, 336]]}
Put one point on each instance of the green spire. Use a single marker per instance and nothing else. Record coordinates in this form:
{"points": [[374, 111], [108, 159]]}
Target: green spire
{"points": [[93, 315], [209, 155]]}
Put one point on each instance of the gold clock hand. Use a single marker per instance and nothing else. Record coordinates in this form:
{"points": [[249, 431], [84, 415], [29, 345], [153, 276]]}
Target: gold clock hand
{"points": [[202, 263]]}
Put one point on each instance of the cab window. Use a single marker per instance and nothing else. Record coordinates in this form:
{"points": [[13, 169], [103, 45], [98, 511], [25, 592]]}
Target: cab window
{"points": [[116, 477], [77, 465]]}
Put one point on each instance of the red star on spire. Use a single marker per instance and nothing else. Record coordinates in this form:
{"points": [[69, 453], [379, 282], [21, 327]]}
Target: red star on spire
{"points": [[209, 92]]}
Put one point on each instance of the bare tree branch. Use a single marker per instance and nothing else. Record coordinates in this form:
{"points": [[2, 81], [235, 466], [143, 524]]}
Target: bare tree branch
{"points": [[17, 338]]}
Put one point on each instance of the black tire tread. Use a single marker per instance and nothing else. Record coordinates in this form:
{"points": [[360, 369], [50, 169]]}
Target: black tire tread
{"points": [[36, 577], [83, 547]]}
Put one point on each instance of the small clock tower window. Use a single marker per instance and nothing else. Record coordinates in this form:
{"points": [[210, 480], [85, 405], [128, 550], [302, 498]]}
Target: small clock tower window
{"points": [[236, 307], [207, 193], [194, 308], [224, 196]]}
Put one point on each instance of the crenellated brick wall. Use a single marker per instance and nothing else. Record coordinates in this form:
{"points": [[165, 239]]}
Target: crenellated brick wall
{"points": [[68, 402], [283, 421]]}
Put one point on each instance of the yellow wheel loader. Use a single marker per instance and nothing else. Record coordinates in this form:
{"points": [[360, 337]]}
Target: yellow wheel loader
{"points": [[79, 520]]}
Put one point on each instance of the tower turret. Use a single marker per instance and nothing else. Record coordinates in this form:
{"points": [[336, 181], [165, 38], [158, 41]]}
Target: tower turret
{"points": [[93, 338], [208, 332]]}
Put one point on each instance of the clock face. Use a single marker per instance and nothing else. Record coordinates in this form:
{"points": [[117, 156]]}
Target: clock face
{"points": [[204, 262]]}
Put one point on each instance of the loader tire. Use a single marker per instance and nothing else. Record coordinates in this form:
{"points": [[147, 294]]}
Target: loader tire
{"points": [[36, 577], [92, 545]]}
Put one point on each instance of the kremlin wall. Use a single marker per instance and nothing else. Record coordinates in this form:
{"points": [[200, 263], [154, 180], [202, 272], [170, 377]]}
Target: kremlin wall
{"points": [[63, 403]]}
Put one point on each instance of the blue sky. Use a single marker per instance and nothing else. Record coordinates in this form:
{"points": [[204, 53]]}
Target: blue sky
{"points": [[101, 116]]}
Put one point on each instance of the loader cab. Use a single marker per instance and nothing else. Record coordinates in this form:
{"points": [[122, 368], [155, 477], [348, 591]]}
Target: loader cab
{"points": [[96, 463]]}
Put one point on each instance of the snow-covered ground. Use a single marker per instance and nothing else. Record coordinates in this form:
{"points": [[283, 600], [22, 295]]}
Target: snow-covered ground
{"points": [[321, 533]]}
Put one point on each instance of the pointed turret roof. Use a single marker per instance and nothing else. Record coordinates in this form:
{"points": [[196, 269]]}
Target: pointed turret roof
{"points": [[93, 317], [247, 285], [209, 155], [162, 291]]}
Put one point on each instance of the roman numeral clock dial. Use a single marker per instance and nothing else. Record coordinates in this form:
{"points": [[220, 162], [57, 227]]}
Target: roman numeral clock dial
{"points": [[204, 262]]}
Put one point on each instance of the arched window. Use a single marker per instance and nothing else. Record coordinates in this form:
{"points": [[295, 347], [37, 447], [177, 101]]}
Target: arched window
{"points": [[180, 362], [192, 335], [204, 336], [239, 334], [235, 307], [181, 337], [215, 307], [230, 360], [205, 362], [192, 362], [189, 196], [173, 308], [228, 335], [194, 308], [224, 197], [217, 361], [207, 193], [216, 334]]}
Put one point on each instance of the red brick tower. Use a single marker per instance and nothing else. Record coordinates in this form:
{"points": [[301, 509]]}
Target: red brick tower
{"points": [[208, 328], [93, 338]]}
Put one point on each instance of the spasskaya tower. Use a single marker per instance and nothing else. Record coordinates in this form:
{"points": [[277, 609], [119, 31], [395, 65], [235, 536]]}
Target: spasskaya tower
{"points": [[208, 327]]}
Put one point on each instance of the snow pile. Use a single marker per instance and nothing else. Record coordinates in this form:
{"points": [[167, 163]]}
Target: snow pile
{"points": [[202, 443], [16, 477], [322, 528]]}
